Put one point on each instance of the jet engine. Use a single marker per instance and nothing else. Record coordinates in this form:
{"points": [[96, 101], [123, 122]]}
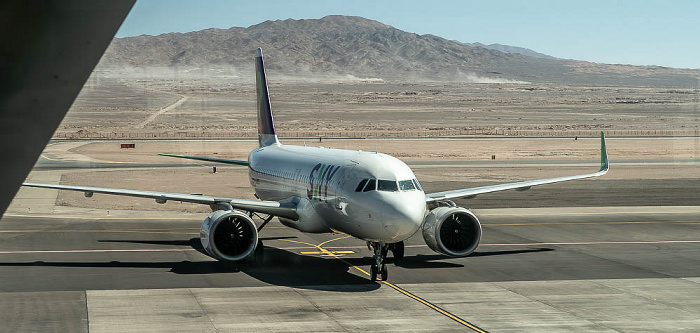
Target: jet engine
{"points": [[453, 231], [229, 235]]}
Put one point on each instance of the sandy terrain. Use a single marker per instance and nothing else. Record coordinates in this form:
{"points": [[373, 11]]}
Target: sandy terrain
{"points": [[410, 150], [128, 109], [115, 107]]}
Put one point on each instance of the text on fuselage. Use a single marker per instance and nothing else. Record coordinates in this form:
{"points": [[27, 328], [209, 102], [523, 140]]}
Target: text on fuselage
{"points": [[319, 178]]}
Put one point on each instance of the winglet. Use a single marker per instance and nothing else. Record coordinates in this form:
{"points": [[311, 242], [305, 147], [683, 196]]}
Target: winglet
{"points": [[604, 164], [266, 125]]}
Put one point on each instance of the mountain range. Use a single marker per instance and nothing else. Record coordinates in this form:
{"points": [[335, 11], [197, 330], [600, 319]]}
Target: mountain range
{"points": [[355, 47]]}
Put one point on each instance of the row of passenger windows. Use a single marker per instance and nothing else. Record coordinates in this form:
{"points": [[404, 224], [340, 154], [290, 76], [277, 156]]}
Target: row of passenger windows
{"points": [[367, 185]]}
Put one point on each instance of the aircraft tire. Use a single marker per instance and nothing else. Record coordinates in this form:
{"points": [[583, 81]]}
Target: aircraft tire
{"points": [[385, 273], [398, 250], [373, 273]]}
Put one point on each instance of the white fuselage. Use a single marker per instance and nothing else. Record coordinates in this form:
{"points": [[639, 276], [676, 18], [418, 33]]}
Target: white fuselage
{"points": [[389, 207]]}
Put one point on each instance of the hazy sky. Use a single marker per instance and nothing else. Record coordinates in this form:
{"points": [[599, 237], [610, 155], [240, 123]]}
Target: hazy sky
{"points": [[639, 32]]}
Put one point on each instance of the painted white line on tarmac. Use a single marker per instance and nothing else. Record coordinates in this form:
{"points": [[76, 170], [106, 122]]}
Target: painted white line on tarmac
{"points": [[360, 247]]}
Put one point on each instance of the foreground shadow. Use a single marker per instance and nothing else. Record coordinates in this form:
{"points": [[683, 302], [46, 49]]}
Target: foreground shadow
{"points": [[507, 252], [277, 267], [432, 260], [437, 260], [195, 243]]}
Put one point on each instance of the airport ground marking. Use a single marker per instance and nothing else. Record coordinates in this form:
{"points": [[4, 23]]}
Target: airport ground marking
{"points": [[421, 300], [78, 217], [602, 243], [594, 213], [137, 231], [322, 251], [193, 231], [435, 307], [334, 254], [43, 155], [327, 251], [592, 223], [528, 244], [93, 251]]}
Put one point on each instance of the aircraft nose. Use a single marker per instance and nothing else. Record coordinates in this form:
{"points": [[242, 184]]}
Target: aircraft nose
{"points": [[403, 217]]}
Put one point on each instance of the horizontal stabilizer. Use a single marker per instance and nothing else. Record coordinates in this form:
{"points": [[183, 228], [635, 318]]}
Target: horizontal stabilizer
{"points": [[208, 159]]}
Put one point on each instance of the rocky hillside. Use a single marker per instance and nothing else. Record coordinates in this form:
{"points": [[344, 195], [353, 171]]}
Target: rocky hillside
{"points": [[354, 47], [514, 49]]}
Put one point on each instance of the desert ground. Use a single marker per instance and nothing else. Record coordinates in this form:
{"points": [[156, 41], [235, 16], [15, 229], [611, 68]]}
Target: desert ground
{"points": [[448, 132], [155, 107]]}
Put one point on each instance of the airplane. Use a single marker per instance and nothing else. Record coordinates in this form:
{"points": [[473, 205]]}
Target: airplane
{"points": [[368, 195]]}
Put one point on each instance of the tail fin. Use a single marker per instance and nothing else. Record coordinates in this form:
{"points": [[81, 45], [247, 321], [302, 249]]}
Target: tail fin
{"points": [[266, 126]]}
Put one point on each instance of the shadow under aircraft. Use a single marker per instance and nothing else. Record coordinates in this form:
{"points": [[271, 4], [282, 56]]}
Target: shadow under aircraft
{"points": [[276, 267]]}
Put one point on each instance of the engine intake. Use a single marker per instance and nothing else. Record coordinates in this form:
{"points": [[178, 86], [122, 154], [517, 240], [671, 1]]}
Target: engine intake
{"points": [[229, 235], [453, 231]]}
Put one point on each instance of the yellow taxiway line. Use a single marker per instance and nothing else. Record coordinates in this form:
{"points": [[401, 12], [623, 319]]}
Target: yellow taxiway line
{"points": [[326, 253]]}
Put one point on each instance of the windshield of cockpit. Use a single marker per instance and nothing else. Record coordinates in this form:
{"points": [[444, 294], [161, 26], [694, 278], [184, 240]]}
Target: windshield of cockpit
{"points": [[370, 184]]}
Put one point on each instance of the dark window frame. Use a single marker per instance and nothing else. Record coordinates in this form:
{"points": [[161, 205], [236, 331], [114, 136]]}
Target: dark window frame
{"points": [[361, 185]]}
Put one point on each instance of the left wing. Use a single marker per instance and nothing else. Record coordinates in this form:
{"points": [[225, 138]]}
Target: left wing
{"points": [[283, 209], [521, 186]]}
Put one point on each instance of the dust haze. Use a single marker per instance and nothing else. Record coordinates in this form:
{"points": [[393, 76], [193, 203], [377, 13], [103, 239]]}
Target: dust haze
{"points": [[219, 102]]}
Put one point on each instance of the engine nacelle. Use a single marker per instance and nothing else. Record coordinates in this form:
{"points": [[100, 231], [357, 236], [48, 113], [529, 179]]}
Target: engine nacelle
{"points": [[453, 231], [229, 235]]}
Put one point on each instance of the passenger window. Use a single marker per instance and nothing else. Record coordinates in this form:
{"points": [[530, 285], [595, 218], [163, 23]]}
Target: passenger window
{"points": [[371, 185], [415, 181], [387, 185], [406, 185], [361, 185]]}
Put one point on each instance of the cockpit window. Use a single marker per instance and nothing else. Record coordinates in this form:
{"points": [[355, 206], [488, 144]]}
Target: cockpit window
{"points": [[361, 185], [387, 185], [371, 185], [415, 181], [406, 185], [367, 185]]}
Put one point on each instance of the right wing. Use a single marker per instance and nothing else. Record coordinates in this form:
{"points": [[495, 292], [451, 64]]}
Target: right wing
{"points": [[521, 186], [282, 209], [208, 159]]}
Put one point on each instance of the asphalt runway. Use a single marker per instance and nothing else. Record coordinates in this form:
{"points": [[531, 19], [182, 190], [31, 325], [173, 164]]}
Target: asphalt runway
{"points": [[548, 269]]}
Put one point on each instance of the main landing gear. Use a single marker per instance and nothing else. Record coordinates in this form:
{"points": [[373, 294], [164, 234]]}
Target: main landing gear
{"points": [[380, 252]]}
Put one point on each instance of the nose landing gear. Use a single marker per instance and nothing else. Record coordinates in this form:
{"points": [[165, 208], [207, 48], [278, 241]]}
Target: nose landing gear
{"points": [[378, 267], [397, 249]]}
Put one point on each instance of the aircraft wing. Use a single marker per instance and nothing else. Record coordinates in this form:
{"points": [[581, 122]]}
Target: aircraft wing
{"points": [[208, 159], [524, 185], [282, 209]]}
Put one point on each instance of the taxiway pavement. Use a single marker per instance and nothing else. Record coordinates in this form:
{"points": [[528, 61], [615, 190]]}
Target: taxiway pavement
{"points": [[537, 269]]}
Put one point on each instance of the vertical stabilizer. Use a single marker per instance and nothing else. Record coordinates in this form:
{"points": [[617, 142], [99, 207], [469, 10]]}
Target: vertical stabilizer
{"points": [[266, 126]]}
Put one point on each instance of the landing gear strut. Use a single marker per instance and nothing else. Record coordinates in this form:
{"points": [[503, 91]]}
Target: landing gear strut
{"points": [[378, 266], [398, 250]]}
